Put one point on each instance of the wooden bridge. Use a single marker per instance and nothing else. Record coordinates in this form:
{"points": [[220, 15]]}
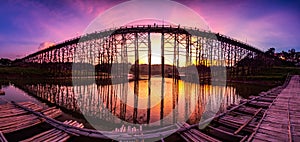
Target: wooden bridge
{"points": [[116, 49], [281, 122], [270, 116]]}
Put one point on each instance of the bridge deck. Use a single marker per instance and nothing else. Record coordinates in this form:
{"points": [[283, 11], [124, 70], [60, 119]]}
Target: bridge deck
{"points": [[282, 119]]}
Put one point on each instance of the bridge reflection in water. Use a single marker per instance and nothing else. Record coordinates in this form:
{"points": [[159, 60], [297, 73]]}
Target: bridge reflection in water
{"points": [[180, 101]]}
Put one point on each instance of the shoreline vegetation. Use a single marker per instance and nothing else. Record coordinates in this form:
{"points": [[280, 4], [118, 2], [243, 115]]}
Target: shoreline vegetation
{"points": [[271, 76]]}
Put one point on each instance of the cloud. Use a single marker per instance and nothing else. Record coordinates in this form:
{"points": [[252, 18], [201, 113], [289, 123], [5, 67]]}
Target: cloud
{"points": [[26, 24], [269, 25], [270, 30], [45, 45], [136, 10], [263, 24]]}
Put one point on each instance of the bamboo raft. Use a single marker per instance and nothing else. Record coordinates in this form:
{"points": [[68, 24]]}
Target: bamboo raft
{"points": [[2, 138], [17, 116], [13, 118], [54, 135]]}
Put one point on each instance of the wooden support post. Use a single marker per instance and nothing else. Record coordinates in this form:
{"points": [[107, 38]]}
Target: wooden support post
{"points": [[162, 78], [2, 138], [174, 75], [149, 77], [136, 80], [136, 57], [149, 58]]}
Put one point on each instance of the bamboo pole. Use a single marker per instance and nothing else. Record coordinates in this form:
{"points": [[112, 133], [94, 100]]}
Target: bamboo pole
{"points": [[247, 122], [12, 122], [2, 138], [43, 134]]}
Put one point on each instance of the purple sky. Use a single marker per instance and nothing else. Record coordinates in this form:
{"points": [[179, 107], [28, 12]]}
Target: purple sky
{"points": [[26, 25]]}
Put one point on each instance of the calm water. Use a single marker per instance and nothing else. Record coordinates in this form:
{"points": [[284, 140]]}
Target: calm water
{"points": [[13, 93], [134, 102]]}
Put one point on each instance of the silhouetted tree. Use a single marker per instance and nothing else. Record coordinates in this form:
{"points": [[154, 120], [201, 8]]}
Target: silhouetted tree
{"points": [[271, 51], [5, 62]]}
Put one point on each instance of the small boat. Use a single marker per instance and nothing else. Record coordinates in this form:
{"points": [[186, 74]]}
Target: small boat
{"points": [[2, 92]]}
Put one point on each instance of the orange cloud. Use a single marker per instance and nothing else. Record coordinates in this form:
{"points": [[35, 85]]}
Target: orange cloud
{"points": [[45, 45]]}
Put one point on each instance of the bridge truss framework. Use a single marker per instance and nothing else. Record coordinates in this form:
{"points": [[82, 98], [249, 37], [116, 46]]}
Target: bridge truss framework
{"points": [[184, 46]]}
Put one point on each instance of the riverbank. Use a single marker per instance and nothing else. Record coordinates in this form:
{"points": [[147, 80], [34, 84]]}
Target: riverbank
{"points": [[23, 72], [271, 77]]}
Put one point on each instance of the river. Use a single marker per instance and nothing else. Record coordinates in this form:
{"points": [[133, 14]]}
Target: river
{"points": [[132, 102]]}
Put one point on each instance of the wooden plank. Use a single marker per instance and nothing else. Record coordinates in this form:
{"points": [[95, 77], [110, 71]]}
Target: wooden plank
{"points": [[276, 121], [30, 121], [48, 136], [200, 134], [15, 114], [41, 135], [259, 104], [53, 134], [269, 138], [9, 119], [280, 130], [11, 106], [14, 122], [204, 136], [245, 124], [259, 140], [224, 135], [194, 135], [265, 98], [2, 138], [273, 133], [66, 138], [186, 135], [230, 124], [239, 119], [21, 126], [62, 138]]}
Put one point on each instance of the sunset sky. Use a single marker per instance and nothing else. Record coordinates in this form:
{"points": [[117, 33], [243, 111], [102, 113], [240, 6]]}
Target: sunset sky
{"points": [[28, 25]]}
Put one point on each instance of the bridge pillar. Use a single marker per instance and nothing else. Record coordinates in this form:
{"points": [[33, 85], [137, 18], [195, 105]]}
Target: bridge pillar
{"points": [[149, 77], [162, 77], [136, 80]]}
